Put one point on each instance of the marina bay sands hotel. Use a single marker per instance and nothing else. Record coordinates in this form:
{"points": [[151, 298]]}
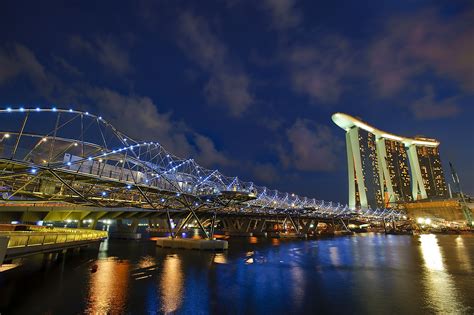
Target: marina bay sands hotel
{"points": [[385, 169]]}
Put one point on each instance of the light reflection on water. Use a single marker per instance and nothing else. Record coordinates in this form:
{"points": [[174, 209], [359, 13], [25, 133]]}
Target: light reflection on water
{"points": [[171, 284], [108, 287], [375, 274], [440, 288], [220, 258], [334, 255], [462, 255]]}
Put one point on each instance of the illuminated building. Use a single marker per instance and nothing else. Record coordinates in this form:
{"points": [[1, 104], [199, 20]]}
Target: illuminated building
{"points": [[432, 171], [384, 168]]}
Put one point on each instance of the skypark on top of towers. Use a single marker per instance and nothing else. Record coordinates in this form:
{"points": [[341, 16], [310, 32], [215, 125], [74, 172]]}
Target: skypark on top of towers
{"points": [[347, 122]]}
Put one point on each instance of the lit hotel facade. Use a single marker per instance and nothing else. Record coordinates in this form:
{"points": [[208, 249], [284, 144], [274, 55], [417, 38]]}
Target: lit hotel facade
{"points": [[384, 169]]}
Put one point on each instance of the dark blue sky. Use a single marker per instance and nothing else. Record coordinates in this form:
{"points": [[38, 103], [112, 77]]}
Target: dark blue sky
{"points": [[249, 87]]}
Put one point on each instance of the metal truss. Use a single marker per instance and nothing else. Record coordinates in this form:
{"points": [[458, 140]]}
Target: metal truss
{"points": [[74, 156]]}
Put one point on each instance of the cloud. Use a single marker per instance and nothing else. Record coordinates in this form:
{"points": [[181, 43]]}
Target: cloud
{"points": [[17, 60], [228, 85], [413, 44], [284, 13], [67, 67], [138, 116], [312, 147], [265, 173], [208, 154], [106, 51], [318, 70], [428, 107]]}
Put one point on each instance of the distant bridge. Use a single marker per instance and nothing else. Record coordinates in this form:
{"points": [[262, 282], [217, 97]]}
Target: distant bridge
{"points": [[58, 164]]}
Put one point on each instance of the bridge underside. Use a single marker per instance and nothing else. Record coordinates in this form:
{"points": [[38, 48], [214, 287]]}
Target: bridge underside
{"points": [[208, 221]]}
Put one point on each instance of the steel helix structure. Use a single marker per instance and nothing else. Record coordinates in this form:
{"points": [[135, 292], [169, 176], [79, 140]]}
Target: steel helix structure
{"points": [[80, 158]]}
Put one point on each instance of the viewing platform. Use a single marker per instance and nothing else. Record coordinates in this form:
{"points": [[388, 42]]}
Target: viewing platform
{"points": [[38, 240]]}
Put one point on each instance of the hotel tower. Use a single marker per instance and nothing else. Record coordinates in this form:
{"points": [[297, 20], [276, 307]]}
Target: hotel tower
{"points": [[384, 169]]}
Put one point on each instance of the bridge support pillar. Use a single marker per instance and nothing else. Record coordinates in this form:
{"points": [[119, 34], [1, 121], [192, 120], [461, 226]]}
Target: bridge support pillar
{"points": [[306, 225], [126, 232], [3, 247], [236, 227]]}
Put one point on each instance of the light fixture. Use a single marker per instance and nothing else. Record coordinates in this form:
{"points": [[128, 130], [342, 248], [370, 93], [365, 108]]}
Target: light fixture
{"points": [[7, 135]]}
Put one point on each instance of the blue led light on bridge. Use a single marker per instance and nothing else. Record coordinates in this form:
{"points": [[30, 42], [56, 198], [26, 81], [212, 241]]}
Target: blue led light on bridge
{"points": [[129, 186], [22, 109], [38, 109], [54, 109], [9, 109], [104, 194], [33, 171]]}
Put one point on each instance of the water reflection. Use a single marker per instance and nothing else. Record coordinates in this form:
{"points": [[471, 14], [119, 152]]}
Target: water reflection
{"points": [[172, 284], [249, 257], [298, 285], [370, 274], [441, 292], [463, 257], [334, 256], [147, 262], [220, 258], [108, 287], [253, 240]]}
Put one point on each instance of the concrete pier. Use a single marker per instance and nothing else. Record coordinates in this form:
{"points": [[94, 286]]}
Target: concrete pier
{"points": [[192, 244]]}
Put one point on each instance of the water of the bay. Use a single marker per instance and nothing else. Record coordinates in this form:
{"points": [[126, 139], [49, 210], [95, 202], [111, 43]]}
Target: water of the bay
{"points": [[361, 274]]}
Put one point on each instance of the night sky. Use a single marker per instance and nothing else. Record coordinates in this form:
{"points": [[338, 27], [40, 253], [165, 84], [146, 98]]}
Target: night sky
{"points": [[249, 87]]}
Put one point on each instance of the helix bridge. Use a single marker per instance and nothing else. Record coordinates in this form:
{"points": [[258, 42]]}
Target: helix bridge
{"points": [[51, 156]]}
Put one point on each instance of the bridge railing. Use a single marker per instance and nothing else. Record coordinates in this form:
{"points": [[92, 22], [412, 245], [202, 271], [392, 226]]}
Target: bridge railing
{"points": [[37, 238]]}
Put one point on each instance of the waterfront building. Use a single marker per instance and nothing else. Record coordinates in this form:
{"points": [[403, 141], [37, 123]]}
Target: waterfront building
{"points": [[384, 169]]}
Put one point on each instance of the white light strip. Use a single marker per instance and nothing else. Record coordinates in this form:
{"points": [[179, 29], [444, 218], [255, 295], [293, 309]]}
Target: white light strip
{"points": [[389, 136], [347, 122]]}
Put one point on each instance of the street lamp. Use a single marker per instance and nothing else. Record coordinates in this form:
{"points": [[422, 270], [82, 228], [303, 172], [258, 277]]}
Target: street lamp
{"points": [[5, 136]]}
